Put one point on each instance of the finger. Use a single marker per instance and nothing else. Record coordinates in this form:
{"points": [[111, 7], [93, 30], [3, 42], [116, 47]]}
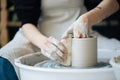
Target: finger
{"points": [[67, 51], [76, 32], [53, 40], [67, 32], [51, 52], [61, 50], [55, 54], [48, 48], [54, 49], [45, 53], [56, 57], [83, 29], [60, 47], [51, 56]]}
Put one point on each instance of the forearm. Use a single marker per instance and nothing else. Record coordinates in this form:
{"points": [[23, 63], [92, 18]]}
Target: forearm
{"points": [[33, 34], [103, 10]]}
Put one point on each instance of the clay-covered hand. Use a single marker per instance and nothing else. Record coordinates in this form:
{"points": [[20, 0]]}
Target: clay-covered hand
{"points": [[54, 49], [79, 28]]}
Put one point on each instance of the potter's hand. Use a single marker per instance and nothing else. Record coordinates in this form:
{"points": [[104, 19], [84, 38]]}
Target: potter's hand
{"points": [[53, 49], [67, 44], [79, 28]]}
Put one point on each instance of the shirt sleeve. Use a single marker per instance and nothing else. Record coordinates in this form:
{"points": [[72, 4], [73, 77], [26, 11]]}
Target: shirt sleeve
{"points": [[28, 11], [118, 1]]}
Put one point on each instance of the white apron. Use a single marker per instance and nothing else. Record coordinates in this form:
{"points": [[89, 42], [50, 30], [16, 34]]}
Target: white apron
{"points": [[58, 15]]}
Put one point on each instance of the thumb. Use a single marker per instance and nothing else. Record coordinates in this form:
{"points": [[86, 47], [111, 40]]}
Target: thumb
{"points": [[67, 32]]}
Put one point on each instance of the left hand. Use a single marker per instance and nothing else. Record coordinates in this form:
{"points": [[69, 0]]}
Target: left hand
{"points": [[54, 50], [79, 28]]}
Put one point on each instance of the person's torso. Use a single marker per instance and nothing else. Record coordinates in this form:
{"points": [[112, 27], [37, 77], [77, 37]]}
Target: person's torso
{"points": [[58, 15]]}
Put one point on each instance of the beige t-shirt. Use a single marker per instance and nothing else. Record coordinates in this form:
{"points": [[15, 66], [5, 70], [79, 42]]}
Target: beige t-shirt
{"points": [[58, 15]]}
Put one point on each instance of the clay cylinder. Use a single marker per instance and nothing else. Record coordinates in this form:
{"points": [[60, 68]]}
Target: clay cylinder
{"points": [[84, 52]]}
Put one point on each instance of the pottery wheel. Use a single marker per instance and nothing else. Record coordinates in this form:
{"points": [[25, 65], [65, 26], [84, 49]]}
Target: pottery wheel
{"points": [[54, 64]]}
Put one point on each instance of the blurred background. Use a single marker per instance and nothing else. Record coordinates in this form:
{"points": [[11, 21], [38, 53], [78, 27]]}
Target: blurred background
{"points": [[9, 22]]}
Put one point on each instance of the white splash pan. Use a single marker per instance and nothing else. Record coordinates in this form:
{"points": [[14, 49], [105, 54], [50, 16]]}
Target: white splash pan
{"points": [[29, 72]]}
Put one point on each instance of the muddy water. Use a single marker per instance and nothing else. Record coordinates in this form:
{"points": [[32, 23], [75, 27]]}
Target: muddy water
{"points": [[54, 64]]}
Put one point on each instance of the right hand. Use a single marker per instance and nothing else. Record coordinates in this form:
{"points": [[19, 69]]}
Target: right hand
{"points": [[54, 49], [80, 28]]}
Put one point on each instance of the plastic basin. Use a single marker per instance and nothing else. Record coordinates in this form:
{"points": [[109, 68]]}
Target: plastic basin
{"points": [[27, 71]]}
